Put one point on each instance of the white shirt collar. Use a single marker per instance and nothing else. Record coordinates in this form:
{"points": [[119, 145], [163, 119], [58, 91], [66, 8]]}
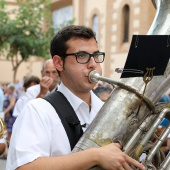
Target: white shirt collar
{"points": [[76, 101], [73, 99]]}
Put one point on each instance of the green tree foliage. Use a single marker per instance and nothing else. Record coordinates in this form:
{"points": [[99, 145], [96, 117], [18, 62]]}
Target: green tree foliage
{"points": [[25, 31]]}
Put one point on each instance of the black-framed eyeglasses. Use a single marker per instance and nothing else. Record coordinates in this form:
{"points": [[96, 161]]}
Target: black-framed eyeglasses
{"points": [[84, 57]]}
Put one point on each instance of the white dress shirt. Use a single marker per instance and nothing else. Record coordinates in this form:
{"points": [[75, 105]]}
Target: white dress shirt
{"points": [[38, 130]]}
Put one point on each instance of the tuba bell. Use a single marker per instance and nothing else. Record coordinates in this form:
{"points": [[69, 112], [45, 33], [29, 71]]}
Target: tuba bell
{"points": [[122, 106]]}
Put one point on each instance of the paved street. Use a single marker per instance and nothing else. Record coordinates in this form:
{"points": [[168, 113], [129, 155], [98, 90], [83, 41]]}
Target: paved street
{"points": [[2, 164]]}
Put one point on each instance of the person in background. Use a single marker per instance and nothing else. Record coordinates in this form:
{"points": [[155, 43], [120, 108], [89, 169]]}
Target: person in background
{"points": [[2, 140], [28, 82], [8, 107], [50, 79], [9, 103], [165, 98], [103, 92], [39, 141], [2, 98], [49, 83], [19, 88], [161, 128], [165, 122]]}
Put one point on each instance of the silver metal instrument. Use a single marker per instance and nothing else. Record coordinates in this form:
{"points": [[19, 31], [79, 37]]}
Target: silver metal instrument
{"points": [[118, 121]]}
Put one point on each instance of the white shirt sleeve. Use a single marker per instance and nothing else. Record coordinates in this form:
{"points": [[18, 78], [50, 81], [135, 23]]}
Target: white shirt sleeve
{"points": [[29, 138], [37, 132]]}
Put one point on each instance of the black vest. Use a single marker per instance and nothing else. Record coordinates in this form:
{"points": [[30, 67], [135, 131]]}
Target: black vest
{"points": [[67, 115]]}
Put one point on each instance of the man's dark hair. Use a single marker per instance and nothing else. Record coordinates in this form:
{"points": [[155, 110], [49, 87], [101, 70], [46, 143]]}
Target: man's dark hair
{"points": [[59, 42]]}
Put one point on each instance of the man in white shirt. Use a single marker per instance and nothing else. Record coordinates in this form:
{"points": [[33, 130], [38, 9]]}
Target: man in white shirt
{"points": [[39, 141], [48, 84]]}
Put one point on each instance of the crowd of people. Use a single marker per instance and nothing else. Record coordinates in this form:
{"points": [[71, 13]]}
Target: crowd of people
{"points": [[36, 135], [9, 95], [13, 97]]}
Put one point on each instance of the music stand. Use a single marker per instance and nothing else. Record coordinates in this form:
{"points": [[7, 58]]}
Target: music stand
{"points": [[147, 51]]}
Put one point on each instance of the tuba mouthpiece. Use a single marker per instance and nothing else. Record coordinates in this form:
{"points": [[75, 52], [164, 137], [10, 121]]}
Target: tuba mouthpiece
{"points": [[94, 76]]}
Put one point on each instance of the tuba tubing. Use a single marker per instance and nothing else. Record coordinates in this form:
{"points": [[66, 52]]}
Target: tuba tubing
{"points": [[123, 103]]}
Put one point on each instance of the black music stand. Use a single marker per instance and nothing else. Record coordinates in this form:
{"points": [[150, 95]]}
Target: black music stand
{"points": [[146, 51]]}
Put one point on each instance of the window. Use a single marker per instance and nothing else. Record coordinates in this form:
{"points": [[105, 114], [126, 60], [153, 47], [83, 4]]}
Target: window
{"points": [[62, 16], [126, 14], [95, 25]]}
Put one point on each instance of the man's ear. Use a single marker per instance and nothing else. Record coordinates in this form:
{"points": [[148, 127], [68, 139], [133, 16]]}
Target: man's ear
{"points": [[58, 63], [41, 73]]}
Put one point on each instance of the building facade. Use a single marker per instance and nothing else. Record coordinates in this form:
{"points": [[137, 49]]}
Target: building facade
{"points": [[114, 21]]}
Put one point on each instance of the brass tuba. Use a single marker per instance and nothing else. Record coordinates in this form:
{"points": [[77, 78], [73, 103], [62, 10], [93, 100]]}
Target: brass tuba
{"points": [[123, 103], [2, 128]]}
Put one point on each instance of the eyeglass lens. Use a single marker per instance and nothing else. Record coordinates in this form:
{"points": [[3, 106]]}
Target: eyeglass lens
{"points": [[85, 57]]}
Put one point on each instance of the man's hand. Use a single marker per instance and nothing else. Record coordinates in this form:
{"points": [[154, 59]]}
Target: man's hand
{"points": [[112, 158], [45, 83]]}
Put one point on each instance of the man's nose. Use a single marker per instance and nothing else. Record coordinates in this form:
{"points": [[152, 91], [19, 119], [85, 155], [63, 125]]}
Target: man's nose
{"points": [[51, 74], [92, 62]]}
